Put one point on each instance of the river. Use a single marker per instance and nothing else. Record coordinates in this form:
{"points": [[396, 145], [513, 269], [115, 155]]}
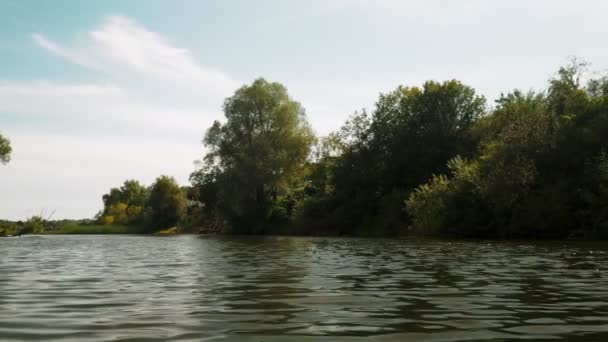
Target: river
{"points": [[221, 288]]}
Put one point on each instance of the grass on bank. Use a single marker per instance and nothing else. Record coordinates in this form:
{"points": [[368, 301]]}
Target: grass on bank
{"points": [[37, 225], [170, 231], [7, 231], [78, 229], [94, 229]]}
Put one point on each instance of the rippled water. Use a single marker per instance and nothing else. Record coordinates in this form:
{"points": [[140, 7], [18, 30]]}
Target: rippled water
{"points": [[189, 288]]}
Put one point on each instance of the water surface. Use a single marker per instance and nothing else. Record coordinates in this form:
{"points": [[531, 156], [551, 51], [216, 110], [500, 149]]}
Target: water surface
{"points": [[190, 288]]}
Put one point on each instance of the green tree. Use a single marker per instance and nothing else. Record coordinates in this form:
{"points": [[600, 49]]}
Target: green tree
{"points": [[415, 131], [5, 150], [540, 170], [205, 193], [166, 203], [130, 198], [411, 135], [514, 140], [255, 154], [116, 214], [451, 205]]}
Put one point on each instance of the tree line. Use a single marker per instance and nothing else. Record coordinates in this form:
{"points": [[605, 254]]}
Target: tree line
{"points": [[434, 159], [159, 206]]}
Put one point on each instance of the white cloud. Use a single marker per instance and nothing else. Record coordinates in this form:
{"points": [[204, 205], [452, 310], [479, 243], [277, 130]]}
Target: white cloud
{"points": [[60, 51], [149, 82], [144, 117], [123, 45], [110, 105], [127, 43]]}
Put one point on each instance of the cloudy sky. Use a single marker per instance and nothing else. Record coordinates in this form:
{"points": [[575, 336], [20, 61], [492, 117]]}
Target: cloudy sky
{"points": [[96, 92]]}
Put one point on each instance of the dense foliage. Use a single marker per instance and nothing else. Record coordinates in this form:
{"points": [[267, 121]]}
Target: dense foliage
{"points": [[254, 155], [5, 150], [125, 205], [410, 135], [159, 206], [432, 160], [540, 171], [166, 203]]}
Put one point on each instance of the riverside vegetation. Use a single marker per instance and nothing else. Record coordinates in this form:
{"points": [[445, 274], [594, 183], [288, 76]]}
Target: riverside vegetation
{"points": [[432, 160]]}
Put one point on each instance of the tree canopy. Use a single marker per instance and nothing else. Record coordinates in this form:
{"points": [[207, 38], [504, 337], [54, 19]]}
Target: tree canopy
{"points": [[255, 153], [410, 135], [540, 170], [125, 205], [431, 159], [5, 150], [166, 203], [160, 206]]}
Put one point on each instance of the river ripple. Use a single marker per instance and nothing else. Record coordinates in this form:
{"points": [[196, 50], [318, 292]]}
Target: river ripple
{"points": [[190, 288]]}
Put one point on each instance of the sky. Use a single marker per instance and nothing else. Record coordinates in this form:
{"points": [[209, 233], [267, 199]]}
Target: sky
{"points": [[96, 92]]}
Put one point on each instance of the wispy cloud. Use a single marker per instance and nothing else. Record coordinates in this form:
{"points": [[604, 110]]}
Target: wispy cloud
{"points": [[147, 81], [111, 105], [123, 45], [43, 88], [60, 51], [145, 116]]}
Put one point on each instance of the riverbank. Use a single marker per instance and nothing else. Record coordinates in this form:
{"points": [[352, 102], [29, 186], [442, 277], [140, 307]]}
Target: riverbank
{"points": [[94, 229], [87, 228], [110, 229], [8, 229]]}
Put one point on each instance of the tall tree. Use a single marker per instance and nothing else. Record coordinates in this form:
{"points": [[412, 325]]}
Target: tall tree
{"points": [[254, 154]]}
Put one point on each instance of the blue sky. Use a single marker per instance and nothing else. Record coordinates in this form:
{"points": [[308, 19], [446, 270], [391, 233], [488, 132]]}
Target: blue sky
{"points": [[96, 92]]}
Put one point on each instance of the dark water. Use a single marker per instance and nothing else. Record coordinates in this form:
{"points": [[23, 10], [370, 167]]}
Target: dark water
{"points": [[188, 288]]}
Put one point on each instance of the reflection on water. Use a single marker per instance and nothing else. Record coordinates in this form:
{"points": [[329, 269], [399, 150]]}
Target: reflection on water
{"points": [[188, 288]]}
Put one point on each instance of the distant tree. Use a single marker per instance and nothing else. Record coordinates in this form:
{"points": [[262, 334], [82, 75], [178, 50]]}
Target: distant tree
{"points": [[125, 204], [166, 203], [253, 155], [131, 193], [5, 150], [116, 214]]}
